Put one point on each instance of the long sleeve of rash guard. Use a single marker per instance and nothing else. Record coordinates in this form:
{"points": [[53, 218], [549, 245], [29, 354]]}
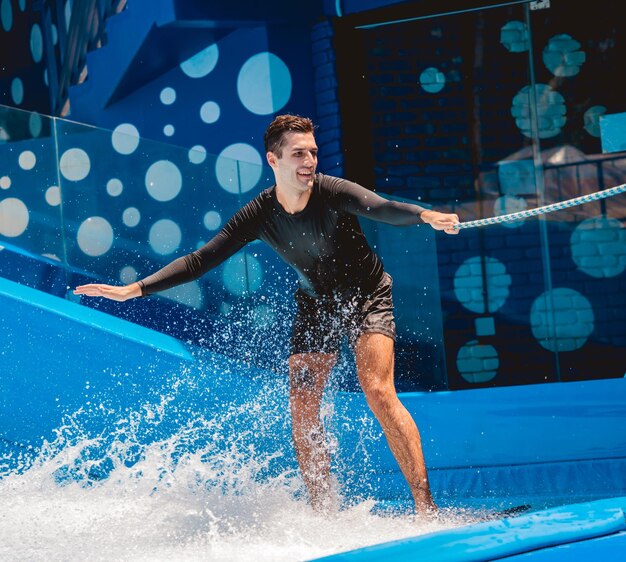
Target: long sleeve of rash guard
{"points": [[235, 235], [190, 267], [355, 199]]}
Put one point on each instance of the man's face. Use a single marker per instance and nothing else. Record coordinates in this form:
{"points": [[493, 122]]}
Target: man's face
{"points": [[296, 166]]}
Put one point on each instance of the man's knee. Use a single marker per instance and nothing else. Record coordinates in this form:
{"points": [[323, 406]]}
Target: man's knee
{"points": [[301, 376], [310, 371], [380, 397]]}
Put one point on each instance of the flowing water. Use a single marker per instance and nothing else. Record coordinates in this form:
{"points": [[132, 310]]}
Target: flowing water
{"points": [[156, 482]]}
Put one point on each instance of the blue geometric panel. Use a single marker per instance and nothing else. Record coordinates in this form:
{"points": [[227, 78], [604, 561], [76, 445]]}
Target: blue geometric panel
{"points": [[599, 247], [15, 217], [485, 326], [592, 119], [238, 168], [36, 43], [561, 319], [613, 132], [17, 91], [6, 15], [514, 36], [201, 63], [517, 177], [264, 84], [550, 107], [432, 80], [477, 362], [470, 289], [562, 56]]}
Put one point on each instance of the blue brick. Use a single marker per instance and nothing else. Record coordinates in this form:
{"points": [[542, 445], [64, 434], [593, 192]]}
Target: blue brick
{"points": [[443, 169], [387, 131], [325, 70], [333, 147], [328, 135], [322, 46], [452, 127], [494, 243], [384, 105], [407, 78], [328, 109], [452, 101], [421, 155], [389, 182], [444, 194], [423, 182], [522, 240], [336, 171], [321, 30], [441, 141], [491, 364], [485, 326], [469, 365], [416, 103], [320, 57], [458, 154], [389, 157], [331, 160], [394, 91], [459, 182], [421, 129], [382, 79], [515, 258], [395, 64], [326, 83], [402, 143], [327, 96], [405, 170], [329, 121], [398, 116]]}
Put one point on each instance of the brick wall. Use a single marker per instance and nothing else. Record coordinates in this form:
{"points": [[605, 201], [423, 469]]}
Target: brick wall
{"points": [[328, 119]]}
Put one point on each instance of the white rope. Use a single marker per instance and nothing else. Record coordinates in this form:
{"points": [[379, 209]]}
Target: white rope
{"points": [[545, 209]]}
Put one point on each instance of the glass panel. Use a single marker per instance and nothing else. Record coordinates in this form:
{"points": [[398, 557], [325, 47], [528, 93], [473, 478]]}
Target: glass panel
{"points": [[132, 205], [110, 206], [576, 60], [491, 112], [440, 97], [30, 219]]}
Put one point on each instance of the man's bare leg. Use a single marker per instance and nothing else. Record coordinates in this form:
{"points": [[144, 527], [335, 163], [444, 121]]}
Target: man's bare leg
{"points": [[375, 367], [308, 374]]}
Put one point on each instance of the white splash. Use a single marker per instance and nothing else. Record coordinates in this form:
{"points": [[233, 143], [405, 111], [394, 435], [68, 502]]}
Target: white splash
{"points": [[204, 491]]}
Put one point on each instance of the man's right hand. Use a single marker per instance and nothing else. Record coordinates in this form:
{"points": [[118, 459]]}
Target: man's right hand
{"points": [[112, 292]]}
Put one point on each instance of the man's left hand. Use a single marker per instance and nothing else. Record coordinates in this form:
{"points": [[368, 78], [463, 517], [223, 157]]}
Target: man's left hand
{"points": [[441, 221]]}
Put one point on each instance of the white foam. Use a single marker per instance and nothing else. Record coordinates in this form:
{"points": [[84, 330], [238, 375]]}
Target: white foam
{"points": [[202, 492]]}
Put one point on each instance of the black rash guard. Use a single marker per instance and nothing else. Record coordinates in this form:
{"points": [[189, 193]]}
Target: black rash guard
{"points": [[323, 242]]}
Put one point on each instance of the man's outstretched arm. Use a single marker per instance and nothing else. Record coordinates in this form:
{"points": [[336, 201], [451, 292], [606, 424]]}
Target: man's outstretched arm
{"points": [[235, 235], [357, 200]]}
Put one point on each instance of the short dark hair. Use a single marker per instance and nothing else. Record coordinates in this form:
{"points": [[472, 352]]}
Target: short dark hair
{"points": [[275, 134]]}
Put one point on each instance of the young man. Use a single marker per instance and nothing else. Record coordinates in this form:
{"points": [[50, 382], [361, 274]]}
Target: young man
{"points": [[311, 221]]}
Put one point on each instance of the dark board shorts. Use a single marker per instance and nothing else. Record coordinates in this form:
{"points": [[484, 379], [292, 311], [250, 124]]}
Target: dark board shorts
{"points": [[320, 324]]}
